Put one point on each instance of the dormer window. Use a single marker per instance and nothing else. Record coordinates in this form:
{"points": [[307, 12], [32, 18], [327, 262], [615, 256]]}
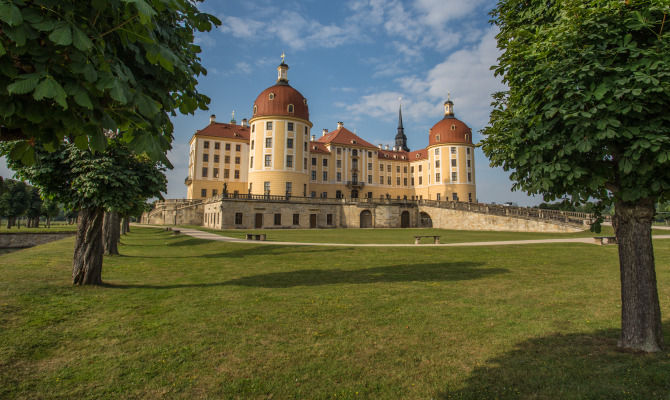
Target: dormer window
{"points": [[255, 109], [290, 108], [271, 96], [453, 127], [304, 101], [437, 138]]}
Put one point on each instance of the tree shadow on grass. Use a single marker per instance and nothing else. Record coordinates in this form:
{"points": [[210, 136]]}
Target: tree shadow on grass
{"points": [[261, 250], [312, 277], [572, 366], [396, 273]]}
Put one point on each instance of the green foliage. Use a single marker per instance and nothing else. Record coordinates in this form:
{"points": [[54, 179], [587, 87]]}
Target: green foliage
{"points": [[34, 209], [15, 198], [116, 179], [586, 113], [76, 68]]}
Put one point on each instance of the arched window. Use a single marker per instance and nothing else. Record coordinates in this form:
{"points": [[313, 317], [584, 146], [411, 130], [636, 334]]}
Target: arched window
{"points": [[290, 108], [453, 127], [255, 109], [271, 96], [304, 101], [437, 138]]}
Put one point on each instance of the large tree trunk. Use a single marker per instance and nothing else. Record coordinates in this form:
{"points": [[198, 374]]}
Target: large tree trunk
{"points": [[110, 232], [87, 260], [640, 310]]}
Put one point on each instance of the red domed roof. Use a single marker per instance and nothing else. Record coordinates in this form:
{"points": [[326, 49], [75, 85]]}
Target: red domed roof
{"points": [[450, 130], [276, 100]]}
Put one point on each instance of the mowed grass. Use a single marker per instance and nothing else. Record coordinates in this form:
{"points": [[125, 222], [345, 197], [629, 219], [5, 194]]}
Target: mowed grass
{"points": [[185, 318], [56, 227], [406, 236]]}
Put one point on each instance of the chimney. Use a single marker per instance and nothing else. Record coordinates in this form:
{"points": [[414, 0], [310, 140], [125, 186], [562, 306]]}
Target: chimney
{"points": [[325, 132], [394, 148], [340, 125], [387, 147], [212, 118], [380, 146], [313, 138], [244, 122]]}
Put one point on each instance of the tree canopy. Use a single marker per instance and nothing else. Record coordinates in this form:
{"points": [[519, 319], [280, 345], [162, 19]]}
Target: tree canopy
{"points": [[74, 69]]}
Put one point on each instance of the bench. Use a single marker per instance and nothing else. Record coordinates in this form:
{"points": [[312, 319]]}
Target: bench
{"points": [[602, 240], [256, 236], [176, 231], [417, 239]]}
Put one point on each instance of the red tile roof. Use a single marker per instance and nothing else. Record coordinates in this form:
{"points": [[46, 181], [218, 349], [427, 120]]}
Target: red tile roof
{"points": [[418, 155], [450, 130], [223, 130], [394, 155], [316, 147], [346, 137], [282, 96]]}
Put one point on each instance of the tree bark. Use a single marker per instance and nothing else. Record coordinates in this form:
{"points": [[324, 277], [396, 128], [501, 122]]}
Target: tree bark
{"points": [[640, 310], [124, 225], [87, 260], [110, 229]]}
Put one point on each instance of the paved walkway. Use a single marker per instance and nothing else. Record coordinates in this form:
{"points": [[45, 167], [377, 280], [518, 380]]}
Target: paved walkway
{"points": [[212, 236]]}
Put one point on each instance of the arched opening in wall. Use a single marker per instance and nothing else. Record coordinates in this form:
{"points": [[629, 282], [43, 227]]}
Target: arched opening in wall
{"points": [[404, 219], [366, 219], [354, 194], [426, 221], [258, 220]]}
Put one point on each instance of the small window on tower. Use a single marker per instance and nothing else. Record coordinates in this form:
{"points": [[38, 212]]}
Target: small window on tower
{"points": [[290, 108], [271, 96], [255, 109], [453, 127]]}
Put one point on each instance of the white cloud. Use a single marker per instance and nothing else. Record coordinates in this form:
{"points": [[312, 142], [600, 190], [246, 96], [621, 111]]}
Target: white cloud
{"points": [[243, 67], [437, 13], [240, 27]]}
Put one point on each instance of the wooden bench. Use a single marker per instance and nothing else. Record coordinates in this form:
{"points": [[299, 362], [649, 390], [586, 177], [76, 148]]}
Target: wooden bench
{"points": [[256, 236], [417, 239], [602, 240]]}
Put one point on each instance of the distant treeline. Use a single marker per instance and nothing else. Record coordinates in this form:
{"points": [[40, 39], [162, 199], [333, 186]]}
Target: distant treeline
{"points": [[19, 200]]}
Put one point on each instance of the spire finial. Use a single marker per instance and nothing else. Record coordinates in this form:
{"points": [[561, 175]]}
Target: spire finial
{"points": [[283, 57], [448, 96], [232, 120]]}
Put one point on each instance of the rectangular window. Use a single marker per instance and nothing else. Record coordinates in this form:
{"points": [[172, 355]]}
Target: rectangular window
{"points": [[251, 162], [290, 127], [338, 163], [268, 160], [304, 163], [388, 168], [397, 181], [226, 159], [324, 195], [312, 194], [268, 126], [237, 174], [215, 172], [306, 133], [238, 147], [369, 166], [370, 179], [325, 162], [277, 219], [216, 158], [411, 169], [289, 143], [469, 176], [204, 172], [214, 192], [206, 144], [420, 180], [454, 196], [381, 180], [388, 180], [420, 167], [289, 188], [397, 169], [381, 167], [217, 145], [253, 128], [404, 181], [238, 218], [454, 176], [437, 177], [339, 151], [313, 175], [304, 146], [325, 176], [453, 150], [296, 218], [203, 192], [266, 187], [227, 146], [438, 197], [437, 164], [369, 154], [437, 151], [453, 162], [467, 151], [205, 157], [404, 169], [467, 163], [289, 161], [252, 145], [313, 160], [226, 173], [339, 177], [237, 160], [268, 142], [470, 195], [329, 219], [369, 195], [412, 181]]}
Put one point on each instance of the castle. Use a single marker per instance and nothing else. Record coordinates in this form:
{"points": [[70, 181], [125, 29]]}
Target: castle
{"points": [[275, 153]]}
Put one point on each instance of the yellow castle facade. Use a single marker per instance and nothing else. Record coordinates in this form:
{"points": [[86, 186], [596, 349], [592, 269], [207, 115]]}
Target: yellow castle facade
{"points": [[276, 153]]}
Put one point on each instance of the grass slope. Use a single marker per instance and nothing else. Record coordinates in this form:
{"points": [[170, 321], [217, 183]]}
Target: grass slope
{"points": [[185, 318]]}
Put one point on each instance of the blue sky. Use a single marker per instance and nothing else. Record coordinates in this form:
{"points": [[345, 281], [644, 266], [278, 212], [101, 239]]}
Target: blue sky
{"points": [[353, 60]]}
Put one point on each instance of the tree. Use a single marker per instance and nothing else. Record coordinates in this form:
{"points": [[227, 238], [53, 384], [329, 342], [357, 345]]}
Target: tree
{"points": [[74, 69], [50, 210], [91, 182], [586, 116], [14, 201], [34, 209]]}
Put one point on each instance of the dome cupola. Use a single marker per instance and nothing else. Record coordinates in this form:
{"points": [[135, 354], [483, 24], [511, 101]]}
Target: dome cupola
{"points": [[281, 99]]}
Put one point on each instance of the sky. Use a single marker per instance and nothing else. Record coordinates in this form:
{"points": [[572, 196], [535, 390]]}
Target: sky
{"points": [[355, 61]]}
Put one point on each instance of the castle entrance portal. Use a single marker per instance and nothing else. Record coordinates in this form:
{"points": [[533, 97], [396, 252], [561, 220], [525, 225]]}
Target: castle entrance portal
{"points": [[426, 221], [404, 219], [312, 220], [259, 220], [366, 219]]}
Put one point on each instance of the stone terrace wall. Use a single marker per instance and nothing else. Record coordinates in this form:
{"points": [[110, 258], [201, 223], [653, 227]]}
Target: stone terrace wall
{"points": [[23, 240]]}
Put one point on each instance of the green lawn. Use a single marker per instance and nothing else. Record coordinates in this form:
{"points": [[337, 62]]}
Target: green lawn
{"points": [[185, 318], [401, 235], [56, 227]]}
